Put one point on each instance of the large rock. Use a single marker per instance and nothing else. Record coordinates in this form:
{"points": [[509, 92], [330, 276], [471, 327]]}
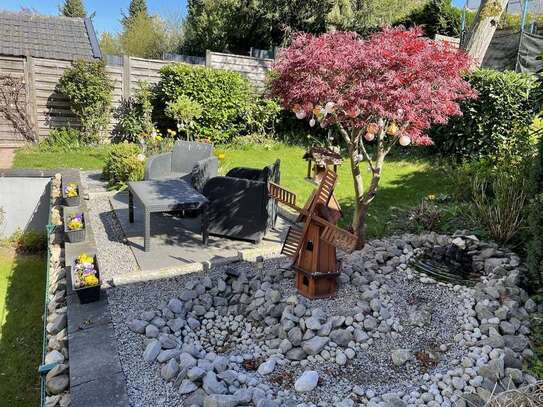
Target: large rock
{"points": [[57, 384], [220, 400], [57, 325], [212, 385], [267, 367], [137, 326], [315, 345], [341, 336], [307, 381], [169, 370], [400, 356], [175, 306], [151, 351], [187, 387], [186, 361], [296, 354], [295, 336]]}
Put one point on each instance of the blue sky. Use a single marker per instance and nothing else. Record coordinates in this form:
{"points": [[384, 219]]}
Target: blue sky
{"points": [[108, 12]]}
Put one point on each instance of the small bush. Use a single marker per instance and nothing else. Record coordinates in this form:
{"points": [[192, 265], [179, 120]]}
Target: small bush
{"points": [[496, 123], [185, 112], [89, 91], [26, 242], [229, 106], [134, 115], [123, 164], [63, 139], [500, 205]]}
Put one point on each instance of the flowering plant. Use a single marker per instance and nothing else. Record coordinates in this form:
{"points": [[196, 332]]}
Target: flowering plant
{"points": [[85, 272], [71, 190], [75, 222]]}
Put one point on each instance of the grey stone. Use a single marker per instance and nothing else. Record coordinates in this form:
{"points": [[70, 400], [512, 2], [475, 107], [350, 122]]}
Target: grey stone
{"points": [[295, 336], [57, 384], [267, 367], [315, 345], [187, 387], [137, 326], [220, 400], [400, 356], [195, 373], [168, 354], [151, 351], [313, 323], [58, 324], [175, 306], [151, 331], [186, 361], [211, 385], [307, 381], [54, 357], [341, 336], [169, 370], [296, 354]]}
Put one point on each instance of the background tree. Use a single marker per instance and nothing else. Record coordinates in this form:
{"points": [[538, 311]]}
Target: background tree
{"points": [[483, 28], [110, 44], [73, 8], [135, 9], [144, 37], [437, 17], [381, 91]]}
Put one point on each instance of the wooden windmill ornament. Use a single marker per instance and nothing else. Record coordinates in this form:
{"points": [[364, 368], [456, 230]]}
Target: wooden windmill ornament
{"points": [[313, 246]]}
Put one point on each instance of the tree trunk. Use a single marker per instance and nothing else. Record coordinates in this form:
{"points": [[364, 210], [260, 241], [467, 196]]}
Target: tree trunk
{"points": [[484, 26]]}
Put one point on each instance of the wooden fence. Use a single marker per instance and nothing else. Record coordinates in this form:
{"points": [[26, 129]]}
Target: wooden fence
{"points": [[47, 109]]}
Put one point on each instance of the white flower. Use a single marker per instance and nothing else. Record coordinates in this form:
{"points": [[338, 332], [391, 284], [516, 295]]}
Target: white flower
{"points": [[141, 157], [329, 107]]}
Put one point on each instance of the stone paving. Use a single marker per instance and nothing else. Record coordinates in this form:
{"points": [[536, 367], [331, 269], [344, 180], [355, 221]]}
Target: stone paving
{"points": [[6, 157]]}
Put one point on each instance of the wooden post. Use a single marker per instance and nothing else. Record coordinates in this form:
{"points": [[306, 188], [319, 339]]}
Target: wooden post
{"points": [[30, 95], [127, 73]]}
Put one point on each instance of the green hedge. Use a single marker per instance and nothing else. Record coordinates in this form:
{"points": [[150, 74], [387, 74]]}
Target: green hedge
{"points": [[230, 107], [497, 122]]}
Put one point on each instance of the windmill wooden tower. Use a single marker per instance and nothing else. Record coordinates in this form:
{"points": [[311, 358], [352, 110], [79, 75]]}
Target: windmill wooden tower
{"points": [[313, 246]]}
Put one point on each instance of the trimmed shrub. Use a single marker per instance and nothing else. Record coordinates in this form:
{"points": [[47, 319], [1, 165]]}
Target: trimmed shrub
{"points": [[90, 93], [229, 105], [496, 124], [123, 164]]}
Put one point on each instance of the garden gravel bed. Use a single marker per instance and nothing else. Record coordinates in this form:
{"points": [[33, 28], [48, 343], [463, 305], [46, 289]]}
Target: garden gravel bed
{"points": [[243, 336], [116, 257]]}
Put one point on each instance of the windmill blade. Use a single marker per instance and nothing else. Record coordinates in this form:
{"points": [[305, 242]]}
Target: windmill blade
{"points": [[292, 242], [283, 195], [326, 188], [339, 238]]}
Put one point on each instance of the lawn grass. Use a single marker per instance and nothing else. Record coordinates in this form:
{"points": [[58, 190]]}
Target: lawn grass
{"points": [[404, 183], [21, 306], [85, 158]]}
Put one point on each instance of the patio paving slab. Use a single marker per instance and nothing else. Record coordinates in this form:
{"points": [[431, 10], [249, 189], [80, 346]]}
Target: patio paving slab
{"points": [[177, 242]]}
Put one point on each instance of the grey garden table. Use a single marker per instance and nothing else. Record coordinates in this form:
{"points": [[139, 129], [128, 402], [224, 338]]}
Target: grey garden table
{"points": [[165, 196]]}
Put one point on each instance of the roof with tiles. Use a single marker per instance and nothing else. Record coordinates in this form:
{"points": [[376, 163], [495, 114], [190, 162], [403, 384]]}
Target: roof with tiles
{"points": [[54, 37]]}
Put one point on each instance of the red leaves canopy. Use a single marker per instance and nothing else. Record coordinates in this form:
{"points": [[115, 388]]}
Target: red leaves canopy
{"points": [[396, 75]]}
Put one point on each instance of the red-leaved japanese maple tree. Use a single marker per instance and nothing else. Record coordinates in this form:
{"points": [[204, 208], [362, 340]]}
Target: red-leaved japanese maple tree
{"points": [[383, 91]]}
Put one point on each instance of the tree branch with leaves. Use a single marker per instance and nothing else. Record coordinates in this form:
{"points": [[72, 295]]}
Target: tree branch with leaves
{"points": [[375, 93], [13, 106]]}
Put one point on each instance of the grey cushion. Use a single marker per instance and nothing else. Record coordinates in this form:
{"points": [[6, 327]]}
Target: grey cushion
{"points": [[186, 153]]}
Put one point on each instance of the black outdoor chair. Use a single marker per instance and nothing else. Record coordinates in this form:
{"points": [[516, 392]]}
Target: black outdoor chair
{"points": [[239, 205], [191, 161]]}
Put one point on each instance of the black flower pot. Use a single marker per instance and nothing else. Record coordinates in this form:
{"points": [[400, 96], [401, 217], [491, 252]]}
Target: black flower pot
{"points": [[87, 294], [74, 236], [73, 201]]}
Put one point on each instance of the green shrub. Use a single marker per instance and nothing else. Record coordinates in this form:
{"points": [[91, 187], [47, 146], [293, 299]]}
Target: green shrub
{"points": [[63, 139], [185, 112], [122, 164], [229, 105], [496, 124], [89, 91], [26, 242], [134, 115]]}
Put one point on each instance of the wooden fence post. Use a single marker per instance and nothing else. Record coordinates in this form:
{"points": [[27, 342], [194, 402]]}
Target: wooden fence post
{"points": [[126, 76], [30, 95]]}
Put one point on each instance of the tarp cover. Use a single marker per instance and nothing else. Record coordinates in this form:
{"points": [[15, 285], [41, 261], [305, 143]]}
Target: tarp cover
{"points": [[514, 51]]}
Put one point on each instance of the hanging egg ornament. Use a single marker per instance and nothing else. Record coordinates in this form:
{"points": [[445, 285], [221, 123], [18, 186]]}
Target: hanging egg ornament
{"points": [[301, 114], [312, 122], [369, 136], [405, 140], [392, 129]]}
